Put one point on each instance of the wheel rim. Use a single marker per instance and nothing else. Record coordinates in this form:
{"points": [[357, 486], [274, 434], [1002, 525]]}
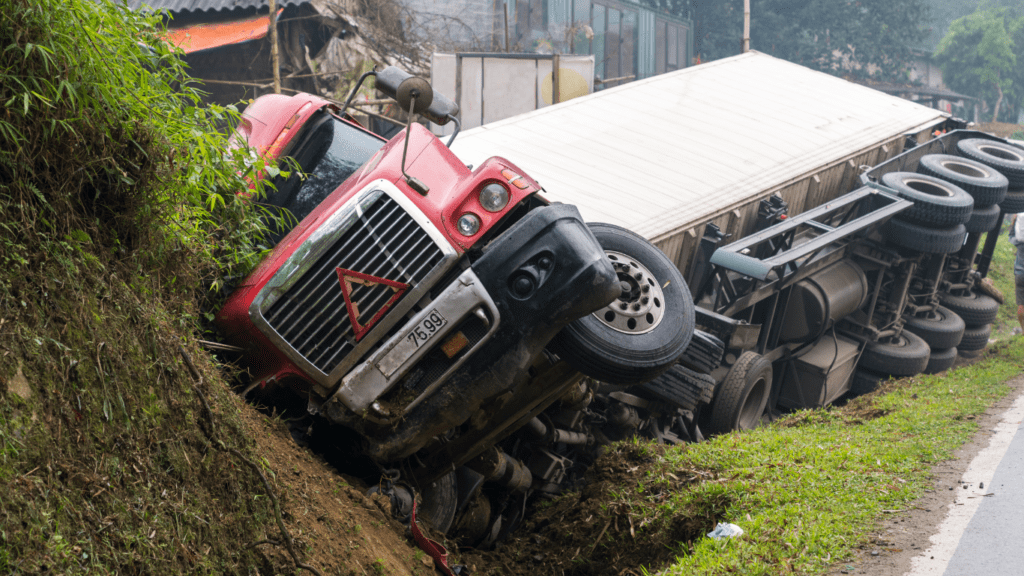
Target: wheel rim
{"points": [[1001, 153], [641, 305], [963, 169], [750, 413], [929, 188]]}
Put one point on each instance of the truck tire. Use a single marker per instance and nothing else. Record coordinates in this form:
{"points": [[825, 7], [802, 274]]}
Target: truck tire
{"points": [[679, 386], [924, 239], [1014, 202], [865, 381], [986, 184], [983, 219], [1006, 158], [941, 328], [440, 499], [742, 396], [704, 353], [975, 309], [905, 356], [632, 346], [937, 203], [940, 360], [975, 338]]}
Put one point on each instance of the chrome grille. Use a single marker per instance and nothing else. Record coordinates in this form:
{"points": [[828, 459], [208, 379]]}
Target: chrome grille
{"points": [[385, 242]]}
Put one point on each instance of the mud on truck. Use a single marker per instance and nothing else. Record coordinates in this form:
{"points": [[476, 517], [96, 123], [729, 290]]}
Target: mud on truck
{"points": [[446, 323]]}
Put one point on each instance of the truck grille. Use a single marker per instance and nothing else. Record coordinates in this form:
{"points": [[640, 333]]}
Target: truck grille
{"points": [[385, 242]]}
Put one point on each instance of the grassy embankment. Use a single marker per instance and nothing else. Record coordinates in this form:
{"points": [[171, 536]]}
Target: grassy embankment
{"points": [[117, 215]]}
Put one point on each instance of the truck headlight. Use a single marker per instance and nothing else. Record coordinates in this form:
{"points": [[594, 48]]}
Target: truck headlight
{"points": [[468, 224], [494, 197]]}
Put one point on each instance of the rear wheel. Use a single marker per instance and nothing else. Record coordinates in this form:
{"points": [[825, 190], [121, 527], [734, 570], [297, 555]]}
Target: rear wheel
{"points": [[985, 184], [1006, 158], [923, 238], [1014, 202], [940, 328], [975, 338], [903, 356], [645, 330], [983, 219], [937, 203], [680, 387], [865, 381], [742, 397], [975, 309], [940, 360], [704, 353]]}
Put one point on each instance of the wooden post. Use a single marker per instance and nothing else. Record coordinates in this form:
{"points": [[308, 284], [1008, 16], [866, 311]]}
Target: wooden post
{"points": [[275, 62], [555, 94], [745, 45]]}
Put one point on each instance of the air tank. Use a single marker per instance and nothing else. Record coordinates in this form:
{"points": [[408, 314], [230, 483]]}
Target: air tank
{"points": [[823, 298]]}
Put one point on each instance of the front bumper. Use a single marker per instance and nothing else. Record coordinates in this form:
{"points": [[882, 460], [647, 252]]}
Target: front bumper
{"points": [[361, 387], [544, 272]]}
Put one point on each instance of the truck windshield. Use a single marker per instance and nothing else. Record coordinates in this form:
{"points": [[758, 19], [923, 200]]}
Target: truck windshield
{"points": [[329, 151]]}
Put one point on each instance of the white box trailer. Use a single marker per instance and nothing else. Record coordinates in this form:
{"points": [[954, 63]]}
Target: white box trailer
{"points": [[754, 176], [667, 155]]}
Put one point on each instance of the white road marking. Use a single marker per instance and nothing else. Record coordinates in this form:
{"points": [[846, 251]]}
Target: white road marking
{"points": [[933, 561]]}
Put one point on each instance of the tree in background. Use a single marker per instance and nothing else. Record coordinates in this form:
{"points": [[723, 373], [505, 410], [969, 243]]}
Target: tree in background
{"points": [[856, 38], [979, 57]]}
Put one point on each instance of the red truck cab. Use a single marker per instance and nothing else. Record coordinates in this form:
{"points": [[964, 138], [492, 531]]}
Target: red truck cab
{"points": [[412, 299]]}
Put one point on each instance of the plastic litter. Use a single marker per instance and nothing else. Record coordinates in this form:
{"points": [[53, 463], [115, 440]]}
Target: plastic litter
{"points": [[726, 530]]}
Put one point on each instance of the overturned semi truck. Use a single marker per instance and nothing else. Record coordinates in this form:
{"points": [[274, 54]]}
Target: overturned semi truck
{"points": [[478, 340], [829, 233]]}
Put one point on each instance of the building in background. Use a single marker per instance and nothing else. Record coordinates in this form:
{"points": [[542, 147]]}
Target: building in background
{"points": [[628, 41]]}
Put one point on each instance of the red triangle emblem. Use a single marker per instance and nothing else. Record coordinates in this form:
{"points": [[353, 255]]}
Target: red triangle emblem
{"points": [[348, 278]]}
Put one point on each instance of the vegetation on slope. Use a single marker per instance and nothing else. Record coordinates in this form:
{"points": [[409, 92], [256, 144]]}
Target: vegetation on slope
{"points": [[117, 215]]}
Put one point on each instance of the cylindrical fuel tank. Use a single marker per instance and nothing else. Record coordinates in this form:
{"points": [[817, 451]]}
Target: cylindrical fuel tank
{"points": [[829, 294]]}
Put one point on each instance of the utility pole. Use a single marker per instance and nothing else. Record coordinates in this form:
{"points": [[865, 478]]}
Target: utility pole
{"points": [[275, 62], [506, 27], [745, 43]]}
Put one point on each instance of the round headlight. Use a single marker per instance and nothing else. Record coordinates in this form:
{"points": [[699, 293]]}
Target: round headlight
{"points": [[494, 197], [468, 224]]}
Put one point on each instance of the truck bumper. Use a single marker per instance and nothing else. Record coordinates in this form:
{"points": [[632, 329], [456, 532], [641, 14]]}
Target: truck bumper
{"points": [[544, 272]]}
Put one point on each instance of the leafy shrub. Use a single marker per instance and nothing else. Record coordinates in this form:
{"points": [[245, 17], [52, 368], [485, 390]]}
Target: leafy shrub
{"points": [[106, 142]]}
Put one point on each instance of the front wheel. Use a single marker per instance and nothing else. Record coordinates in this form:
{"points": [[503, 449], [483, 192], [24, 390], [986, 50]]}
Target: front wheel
{"points": [[645, 330]]}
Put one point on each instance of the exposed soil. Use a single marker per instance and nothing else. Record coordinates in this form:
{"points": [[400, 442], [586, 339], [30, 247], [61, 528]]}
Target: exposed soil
{"points": [[598, 531], [344, 531]]}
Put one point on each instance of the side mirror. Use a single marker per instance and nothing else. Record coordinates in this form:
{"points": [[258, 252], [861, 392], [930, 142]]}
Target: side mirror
{"points": [[402, 86]]}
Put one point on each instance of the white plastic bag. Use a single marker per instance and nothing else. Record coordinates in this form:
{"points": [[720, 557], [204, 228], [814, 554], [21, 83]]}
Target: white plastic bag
{"points": [[726, 530]]}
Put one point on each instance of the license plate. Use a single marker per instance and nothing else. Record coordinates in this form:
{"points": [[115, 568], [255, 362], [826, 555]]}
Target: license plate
{"points": [[427, 328], [422, 333]]}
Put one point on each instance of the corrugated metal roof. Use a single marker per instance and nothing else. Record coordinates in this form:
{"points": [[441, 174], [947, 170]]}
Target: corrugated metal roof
{"points": [[201, 37], [176, 6], [663, 154]]}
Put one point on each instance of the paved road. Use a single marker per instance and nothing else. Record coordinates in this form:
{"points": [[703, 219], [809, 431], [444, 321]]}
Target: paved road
{"points": [[983, 534]]}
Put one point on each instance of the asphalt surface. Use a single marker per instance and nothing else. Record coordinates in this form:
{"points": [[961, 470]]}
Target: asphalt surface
{"points": [[993, 542], [983, 532]]}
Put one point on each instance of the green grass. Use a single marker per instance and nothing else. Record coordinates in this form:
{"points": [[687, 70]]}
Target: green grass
{"points": [[809, 489]]}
